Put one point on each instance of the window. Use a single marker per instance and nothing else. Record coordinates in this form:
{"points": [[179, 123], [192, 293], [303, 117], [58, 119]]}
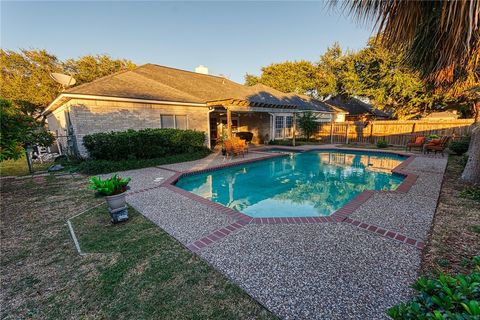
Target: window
{"points": [[289, 121], [279, 122], [181, 122], [279, 125], [167, 121], [173, 121], [288, 126]]}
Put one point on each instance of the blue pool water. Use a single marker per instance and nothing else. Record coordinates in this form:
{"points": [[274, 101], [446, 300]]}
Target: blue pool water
{"points": [[315, 183]]}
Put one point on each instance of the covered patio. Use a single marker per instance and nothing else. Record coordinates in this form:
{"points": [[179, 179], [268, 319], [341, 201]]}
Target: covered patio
{"points": [[265, 121]]}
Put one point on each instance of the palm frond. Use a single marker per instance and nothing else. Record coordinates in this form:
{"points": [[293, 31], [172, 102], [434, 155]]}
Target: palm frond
{"points": [[441, 37]]}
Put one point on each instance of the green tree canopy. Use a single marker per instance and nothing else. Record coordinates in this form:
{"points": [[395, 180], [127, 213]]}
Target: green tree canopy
{"points": [[25, 79], [26, 89], [380, 75], [329, 67], [374, 72], [251, 80], [290, 76], [89, 68], [25, 76], [19, 130]]}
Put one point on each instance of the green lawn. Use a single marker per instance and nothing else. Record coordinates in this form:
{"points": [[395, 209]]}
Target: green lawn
{"points": [[132, 270], [20, 168]]}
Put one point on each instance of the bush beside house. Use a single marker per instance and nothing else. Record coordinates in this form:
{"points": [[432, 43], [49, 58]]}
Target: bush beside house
{"points": [[127, 150], [143, 144]]}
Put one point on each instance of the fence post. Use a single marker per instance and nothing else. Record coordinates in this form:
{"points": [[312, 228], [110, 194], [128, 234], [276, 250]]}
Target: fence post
{"points": [[346, 134], [331, 132], [371, 133]]}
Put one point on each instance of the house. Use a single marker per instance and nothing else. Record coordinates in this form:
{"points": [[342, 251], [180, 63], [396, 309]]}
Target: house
{"points": [[153, 96], [355, 109], [441, 116], [339, 115]]}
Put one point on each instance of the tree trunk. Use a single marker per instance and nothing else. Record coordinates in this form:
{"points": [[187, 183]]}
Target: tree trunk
{"points": [[471, 173], [476, 110]]}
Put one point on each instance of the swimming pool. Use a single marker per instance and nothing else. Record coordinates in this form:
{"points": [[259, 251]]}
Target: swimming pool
{"points": [[309, 184]]}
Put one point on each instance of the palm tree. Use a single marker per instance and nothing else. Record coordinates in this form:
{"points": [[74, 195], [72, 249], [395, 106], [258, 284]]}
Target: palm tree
{"points": [[441, 40]]}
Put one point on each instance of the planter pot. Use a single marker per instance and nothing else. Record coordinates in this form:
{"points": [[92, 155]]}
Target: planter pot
{"points": [[119, 215], [117, 201], [117, 207]]}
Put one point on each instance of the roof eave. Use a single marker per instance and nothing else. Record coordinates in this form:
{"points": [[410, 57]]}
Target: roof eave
{"points": [[67, 96]]}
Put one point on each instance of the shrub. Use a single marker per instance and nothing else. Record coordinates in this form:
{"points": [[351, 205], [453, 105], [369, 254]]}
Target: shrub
{"points": [[109, 187], [447, 297], [143, 144], [91, 166], [285, 142], [308, 123], [382, 144], [460, 146], [472, 193]]}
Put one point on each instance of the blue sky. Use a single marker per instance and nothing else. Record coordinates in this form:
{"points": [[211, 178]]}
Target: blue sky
{"points": [[230, 38]]}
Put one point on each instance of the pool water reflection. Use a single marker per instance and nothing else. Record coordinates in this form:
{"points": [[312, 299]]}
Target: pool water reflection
{"points": [[315, 183]]}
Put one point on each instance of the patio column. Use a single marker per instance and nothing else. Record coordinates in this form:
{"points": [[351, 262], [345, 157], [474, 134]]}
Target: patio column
{"points": [[229, 123], [294, 127]]}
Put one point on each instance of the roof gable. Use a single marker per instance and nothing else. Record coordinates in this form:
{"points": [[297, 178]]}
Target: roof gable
{"points": [[161, 83], [355, 106]]}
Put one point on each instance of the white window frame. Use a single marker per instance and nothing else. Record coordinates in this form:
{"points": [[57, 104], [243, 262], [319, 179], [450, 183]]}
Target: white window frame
{"points": [[285, 132], [174, 120]]}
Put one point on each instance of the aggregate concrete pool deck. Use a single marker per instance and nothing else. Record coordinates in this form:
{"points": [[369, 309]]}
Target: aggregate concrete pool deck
{"points": [[352, 267]]}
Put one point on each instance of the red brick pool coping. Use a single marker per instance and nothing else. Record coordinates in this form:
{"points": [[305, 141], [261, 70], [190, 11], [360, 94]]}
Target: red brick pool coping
{"points": [[341, 215]]}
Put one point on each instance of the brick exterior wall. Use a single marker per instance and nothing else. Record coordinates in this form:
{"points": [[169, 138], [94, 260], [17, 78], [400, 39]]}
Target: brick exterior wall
{"points": [[258, 123], [92, 116]]}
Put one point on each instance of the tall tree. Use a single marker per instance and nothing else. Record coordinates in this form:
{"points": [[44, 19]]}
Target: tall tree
{"points": [[380, 74], [251, 80], [329, 67], [19, 130], [290, 76], [440, 38], [89, 68], [25, 79], [25, 76], [26, 89]]}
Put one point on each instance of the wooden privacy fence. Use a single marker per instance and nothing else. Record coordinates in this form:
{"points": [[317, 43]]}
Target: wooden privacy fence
{"points": [[395, 132]]}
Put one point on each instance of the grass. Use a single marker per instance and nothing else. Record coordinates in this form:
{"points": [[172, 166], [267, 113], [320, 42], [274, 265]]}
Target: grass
{"points": [[132, 270], [455, 235], [19, 167]]}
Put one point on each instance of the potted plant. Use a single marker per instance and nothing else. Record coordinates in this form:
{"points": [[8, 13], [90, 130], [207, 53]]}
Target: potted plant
{"points": [[113, 189]]}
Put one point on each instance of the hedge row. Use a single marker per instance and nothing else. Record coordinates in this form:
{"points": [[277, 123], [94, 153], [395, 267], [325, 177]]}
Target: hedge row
{"points": [[142, 144]]}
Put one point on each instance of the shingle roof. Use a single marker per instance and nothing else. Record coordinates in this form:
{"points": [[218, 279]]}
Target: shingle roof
{"points": [[442, 115], [355, 106], [156, 82]]}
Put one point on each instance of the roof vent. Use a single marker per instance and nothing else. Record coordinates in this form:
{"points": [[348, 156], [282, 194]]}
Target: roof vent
{"points": [[201, 69]]}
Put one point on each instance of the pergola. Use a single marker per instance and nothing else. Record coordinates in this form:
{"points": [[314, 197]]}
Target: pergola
{"points": [[238, 105]]}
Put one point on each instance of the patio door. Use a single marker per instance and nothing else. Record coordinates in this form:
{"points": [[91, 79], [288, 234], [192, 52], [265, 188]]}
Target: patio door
{"points": [[283, 127]]}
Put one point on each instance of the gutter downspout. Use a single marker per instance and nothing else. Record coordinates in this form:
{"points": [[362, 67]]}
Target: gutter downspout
{"points": [[272, 129], [209, 138], [294, 127]]}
